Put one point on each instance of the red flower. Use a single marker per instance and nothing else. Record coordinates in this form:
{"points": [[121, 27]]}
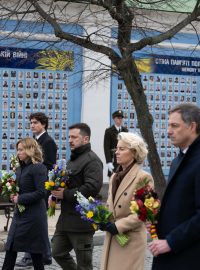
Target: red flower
{"points": [[139, 203], [140, 192]]}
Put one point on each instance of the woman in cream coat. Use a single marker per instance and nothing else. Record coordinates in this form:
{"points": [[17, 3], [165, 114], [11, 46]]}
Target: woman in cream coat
{"points": [[131, 152]]}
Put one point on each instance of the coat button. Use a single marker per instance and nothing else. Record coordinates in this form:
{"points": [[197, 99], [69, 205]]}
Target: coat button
{"points": [[119, 206], [125, 193]]}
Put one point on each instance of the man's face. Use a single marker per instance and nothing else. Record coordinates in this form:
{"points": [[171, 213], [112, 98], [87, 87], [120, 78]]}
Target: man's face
{"points": [[180, 133], [118, 121], [76, 139], [37, 127]]}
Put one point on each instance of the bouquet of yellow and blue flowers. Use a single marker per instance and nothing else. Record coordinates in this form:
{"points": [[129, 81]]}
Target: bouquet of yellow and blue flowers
{"points": [[8, 187], [146, 205], [58, 177], [95, 212]]}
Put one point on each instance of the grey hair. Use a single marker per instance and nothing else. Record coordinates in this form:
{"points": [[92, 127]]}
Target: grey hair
{"points": [[136, 144], [189, 113]]}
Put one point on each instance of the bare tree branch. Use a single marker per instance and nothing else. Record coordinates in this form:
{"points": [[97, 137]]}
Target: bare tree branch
{"points": [[150, 41]]}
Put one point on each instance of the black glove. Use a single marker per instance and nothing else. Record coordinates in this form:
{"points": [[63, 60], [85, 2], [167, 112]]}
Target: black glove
{"points": [[109, 227]]}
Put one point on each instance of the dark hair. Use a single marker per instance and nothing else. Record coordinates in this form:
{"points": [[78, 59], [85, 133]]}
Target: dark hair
{"points": [[189, 113], [41, 117], [84, 129]]}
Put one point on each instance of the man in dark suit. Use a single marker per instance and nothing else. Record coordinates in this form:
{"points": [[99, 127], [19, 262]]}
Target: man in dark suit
{"points": [[110, 140], [39, 126], [178, 228]]}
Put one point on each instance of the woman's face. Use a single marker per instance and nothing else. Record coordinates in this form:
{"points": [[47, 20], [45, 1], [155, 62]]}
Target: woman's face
{"points": [[124, 155], [21, 153]]}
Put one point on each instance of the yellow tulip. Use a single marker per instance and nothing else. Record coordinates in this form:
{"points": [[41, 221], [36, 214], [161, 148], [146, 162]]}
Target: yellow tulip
{"points": [[62, 184], [94, 226], [134, 207], [90, 214], [62, 173], [149, 203], [51, 183]]}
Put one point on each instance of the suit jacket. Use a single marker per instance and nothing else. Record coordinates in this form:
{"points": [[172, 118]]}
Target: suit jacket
{"points": [[130, 257], [49, 149], [110, 144], [179, 218]]}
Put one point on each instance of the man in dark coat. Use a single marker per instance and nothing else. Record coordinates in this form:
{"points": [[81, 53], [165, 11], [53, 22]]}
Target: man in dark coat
{"points": [[178, 228], [86, 176], [39, 126], [110, 140]]}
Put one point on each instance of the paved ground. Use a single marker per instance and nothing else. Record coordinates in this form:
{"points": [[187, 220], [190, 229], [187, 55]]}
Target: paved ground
{"points": [[52, 222]]}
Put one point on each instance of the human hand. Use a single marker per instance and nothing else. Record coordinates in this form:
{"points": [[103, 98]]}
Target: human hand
{"points": [[110, 167], [15, 198], [109, 227], [58, 193], [159, 247]]}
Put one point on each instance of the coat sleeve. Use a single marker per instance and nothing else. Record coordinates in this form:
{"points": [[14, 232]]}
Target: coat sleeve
{"points": [[130, 222], [39, 176], [93, 180], [188, 232], [107, 146]]}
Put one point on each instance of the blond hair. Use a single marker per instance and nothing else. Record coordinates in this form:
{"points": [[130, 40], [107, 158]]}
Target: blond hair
{"points": [[136, 144], [32, 149]]}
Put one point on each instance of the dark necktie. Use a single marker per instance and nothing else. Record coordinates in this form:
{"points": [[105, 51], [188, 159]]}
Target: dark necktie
{"points": [[180, 155]]}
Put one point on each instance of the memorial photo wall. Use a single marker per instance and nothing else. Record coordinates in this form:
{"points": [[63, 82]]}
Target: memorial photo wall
{"points": [[35, 81], [168, 82]]}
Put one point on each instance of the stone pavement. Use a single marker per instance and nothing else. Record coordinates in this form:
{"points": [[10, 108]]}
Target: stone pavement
{"points": [[98, 240]]}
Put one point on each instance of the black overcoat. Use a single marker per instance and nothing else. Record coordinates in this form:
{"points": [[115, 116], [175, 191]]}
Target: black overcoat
{"points": [[179, 218], [49, 149], [28, 231], [110, 144]]}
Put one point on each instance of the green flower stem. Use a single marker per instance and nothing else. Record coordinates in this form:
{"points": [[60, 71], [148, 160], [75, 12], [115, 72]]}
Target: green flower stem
{"points": [[122, 239], [21, 208], [51, 211]]}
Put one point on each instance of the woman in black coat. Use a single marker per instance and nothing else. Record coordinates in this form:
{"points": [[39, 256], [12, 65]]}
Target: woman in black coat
{"points": [[28, 231]]}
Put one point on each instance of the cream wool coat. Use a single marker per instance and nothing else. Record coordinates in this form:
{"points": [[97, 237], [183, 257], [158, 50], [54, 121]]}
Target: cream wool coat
{"points": [[131, 256]]}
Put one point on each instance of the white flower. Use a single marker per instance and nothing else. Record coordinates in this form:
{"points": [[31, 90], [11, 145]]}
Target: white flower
{"points": [[82, 200]]}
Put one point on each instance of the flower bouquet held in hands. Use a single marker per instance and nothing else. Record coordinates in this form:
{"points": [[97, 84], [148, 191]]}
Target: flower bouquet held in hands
{"points": [[9, 187], [14, 163], [146, 205], [95, 212], [57, 178]]}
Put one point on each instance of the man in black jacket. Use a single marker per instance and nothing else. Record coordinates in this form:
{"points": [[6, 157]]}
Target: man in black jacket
{"points": [[178, 228], [110, 140], [39, 126], [85, 175]]}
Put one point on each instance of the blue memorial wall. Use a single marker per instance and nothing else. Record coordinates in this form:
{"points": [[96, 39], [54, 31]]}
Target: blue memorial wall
{"points": [[169, 77], [38, 76]]}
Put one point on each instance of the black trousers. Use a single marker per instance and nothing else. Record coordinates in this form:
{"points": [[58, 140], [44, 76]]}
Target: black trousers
{"points": [[10, 259]]}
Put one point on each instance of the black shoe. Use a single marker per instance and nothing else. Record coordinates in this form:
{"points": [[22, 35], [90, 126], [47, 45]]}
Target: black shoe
{"points": [[25, 262], [47, 262]]}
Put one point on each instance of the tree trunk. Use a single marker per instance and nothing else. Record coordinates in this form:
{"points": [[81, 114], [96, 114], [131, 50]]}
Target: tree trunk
{"points": [[134, 86]]}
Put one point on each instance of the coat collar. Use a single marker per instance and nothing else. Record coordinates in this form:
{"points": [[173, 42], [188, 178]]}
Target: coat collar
{"points": [[127, 181], [177, 162]]}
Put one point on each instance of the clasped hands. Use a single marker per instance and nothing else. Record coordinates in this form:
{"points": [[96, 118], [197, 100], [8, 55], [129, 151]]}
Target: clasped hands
{"points": [[157, 247], [58, 193], [14, 198]]}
